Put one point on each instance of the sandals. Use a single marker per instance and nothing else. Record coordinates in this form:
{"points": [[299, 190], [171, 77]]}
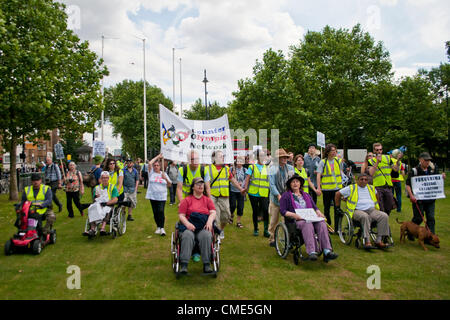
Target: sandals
{"points": [[239, 225]]}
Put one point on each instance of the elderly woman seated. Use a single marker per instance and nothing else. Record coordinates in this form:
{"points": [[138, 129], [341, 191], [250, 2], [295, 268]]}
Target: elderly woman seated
{"points": [[196, 214], [296, 198]]}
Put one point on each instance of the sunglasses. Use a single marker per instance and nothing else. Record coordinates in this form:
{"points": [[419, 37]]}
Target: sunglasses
{"points": [[379, 149]]}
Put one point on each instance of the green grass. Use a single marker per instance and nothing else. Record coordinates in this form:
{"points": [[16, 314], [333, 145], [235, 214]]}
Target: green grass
{"points": [[137, 265]]}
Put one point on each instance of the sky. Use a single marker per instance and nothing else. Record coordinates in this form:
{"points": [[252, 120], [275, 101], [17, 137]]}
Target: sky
{"points": [[226, 37]]}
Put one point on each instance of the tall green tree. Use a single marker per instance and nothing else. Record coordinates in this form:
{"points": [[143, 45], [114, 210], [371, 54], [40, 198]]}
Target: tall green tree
{"points": [[48, 77], [124, 109]]}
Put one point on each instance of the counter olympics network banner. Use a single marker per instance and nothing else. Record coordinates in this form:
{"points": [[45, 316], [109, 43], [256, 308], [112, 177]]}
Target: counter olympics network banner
{"points": [[179, 136]]}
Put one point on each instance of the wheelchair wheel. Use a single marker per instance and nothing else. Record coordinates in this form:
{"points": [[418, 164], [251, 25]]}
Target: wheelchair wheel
{"points": [[345, 229], [122, 221], [174, 253], [216, 253], [282, 240]]}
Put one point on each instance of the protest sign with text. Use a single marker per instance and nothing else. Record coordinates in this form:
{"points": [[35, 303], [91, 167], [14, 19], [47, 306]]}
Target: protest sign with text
{"points": [[179, 136], [428, 187]]}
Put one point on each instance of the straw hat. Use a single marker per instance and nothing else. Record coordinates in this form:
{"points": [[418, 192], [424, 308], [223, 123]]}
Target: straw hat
{"points": [[280, 153]]}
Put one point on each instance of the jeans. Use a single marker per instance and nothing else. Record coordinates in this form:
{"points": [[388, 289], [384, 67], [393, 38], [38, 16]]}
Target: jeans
{"points": [[173, 192], [398, 194]]}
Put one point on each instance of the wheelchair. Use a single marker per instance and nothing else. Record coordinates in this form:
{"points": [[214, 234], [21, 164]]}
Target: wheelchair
{"points": [[117, 222], [289, 239], [349, 228], [175, 250]]}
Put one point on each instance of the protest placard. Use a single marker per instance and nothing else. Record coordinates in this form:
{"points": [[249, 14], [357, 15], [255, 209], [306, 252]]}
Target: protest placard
{"points": [[309, 215], [428, 187]]}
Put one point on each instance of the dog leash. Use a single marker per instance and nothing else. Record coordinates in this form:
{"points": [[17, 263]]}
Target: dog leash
{"points": [[423, 218]]}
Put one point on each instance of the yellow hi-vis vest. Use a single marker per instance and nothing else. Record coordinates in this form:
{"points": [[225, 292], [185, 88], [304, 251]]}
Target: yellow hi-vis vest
{"points": [[353, 199], [39, 197], [259, 182], [400, 176], [221, 185], [110, 189], [304, 175], [189, 177], [114, 179], [328, 181], [382, 175]]}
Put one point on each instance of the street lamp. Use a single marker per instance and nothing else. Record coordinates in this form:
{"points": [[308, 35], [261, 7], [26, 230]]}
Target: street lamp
{"points": [[181, 94], [145, 104], [205, 81]]}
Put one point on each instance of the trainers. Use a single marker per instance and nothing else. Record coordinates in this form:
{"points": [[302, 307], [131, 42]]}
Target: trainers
{"points": [[207, 268], [312, 256], [272, 244], [196, 257], [184, 268], [222, 235], [256, 233], [130, 218], [163, 232], [266, 234], [330, 256], [158, 231]]}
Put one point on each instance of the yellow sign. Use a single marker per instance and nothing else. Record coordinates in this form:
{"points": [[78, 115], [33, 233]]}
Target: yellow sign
{"points": [[69, 157]]}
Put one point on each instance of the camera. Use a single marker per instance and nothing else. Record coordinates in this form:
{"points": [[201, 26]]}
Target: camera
{"points": [[71, 180]]}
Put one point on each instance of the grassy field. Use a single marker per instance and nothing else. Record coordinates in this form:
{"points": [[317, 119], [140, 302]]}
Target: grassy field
{"points": [[137, 265]]}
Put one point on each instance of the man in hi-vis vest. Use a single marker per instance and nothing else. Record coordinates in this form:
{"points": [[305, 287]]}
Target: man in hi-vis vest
{"points": [[380, 168], [362, 206], [41, 196], [221, 177], [187, 173]]}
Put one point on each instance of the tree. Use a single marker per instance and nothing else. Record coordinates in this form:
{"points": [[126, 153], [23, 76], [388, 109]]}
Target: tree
{"points": [[341, 66], [48, 77], [124, 108], [198, 111]]}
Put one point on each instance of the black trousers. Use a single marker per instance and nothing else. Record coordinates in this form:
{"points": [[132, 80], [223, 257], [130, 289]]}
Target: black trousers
{"points": [[260, 207], [236, 201], [75, 197], [313, 195], [54, 187], [328, 200], [173, 192], [158, 212]]}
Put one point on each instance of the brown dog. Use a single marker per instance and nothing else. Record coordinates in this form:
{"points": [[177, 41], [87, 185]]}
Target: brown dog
{"points": [[421, 233]]}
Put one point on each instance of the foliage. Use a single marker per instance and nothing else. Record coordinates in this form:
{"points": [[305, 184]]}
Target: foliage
{"points": [[48, 77], [198, 112], [124, 108]]}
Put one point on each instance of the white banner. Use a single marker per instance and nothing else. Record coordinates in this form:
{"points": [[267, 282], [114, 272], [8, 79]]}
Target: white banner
{"points": [[428, 187], [179, 136], [320, 139]]}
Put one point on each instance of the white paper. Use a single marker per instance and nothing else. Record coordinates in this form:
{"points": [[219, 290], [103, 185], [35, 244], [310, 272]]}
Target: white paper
{"points": [[95, 211], [428, 187], [309, 215]]}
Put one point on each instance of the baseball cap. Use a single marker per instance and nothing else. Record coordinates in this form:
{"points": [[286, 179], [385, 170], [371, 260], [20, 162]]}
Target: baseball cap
{"points": [[425, 156]]}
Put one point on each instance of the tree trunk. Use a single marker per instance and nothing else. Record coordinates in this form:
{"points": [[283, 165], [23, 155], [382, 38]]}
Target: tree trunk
{"points": [[13, 190]]}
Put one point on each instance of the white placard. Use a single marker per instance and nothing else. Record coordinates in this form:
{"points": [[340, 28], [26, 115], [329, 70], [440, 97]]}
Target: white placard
{"points": [[99, 148], [428, 187], [179, 136], [320, 139], [59, 153], [309, 215]]}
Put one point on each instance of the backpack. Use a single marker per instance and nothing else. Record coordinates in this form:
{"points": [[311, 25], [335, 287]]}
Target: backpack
{"points": [[89, 178]]}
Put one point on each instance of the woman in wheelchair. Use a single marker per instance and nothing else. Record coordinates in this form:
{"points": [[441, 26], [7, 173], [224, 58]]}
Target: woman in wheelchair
{"points": [[197, 214], [107, 195], [296, 198]]}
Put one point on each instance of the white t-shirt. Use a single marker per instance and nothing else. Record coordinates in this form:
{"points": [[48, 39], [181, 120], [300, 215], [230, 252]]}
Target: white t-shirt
{"points": [[365, 202], [157, 186]]}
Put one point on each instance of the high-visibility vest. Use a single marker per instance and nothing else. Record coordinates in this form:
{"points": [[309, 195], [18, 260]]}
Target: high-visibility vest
{"points": [[189, 177], [352, 200], [110, 189], [259, 181], [120, 164], [328, 181], [114, 179], [400, 176], [304, 175], [221, 185], [39, 197], [382, 175]]}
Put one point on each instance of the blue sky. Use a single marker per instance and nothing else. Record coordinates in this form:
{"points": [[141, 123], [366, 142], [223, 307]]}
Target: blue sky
{"points": [[226, 37]]}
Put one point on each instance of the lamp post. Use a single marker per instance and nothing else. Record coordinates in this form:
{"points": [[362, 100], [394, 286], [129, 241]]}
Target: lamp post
{"points": [[173, 79], [205, 81], [181, 94], [144, 103]]}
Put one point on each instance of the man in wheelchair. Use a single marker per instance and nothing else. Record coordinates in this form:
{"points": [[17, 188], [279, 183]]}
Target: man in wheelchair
{"points": [[106, 196], [295, 198], [362, 206], [197, 214]]}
